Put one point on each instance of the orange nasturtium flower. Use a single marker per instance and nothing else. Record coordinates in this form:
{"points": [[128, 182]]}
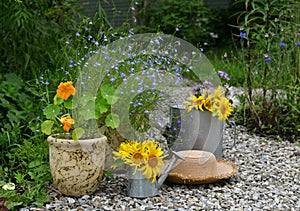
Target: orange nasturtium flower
{"points": [[67, 121], [65, 90]]}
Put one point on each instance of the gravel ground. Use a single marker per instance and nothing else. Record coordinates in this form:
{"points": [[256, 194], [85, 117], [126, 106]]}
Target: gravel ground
{"points": [[268, 179]]}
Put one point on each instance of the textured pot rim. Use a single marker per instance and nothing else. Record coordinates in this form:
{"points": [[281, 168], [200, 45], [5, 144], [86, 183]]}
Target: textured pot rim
{"points": [[67, 141]]}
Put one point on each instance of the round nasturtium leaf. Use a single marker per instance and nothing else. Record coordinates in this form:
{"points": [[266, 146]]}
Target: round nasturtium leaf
{"points": [[108, 93], [77, 133], [51, 111], [101, 106], [58, 100], [68, 104], [88, 111], [46, 127], [112, 120]]}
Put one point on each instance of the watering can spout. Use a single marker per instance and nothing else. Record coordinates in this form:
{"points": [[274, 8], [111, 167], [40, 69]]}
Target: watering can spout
{"points": [[164, 176]]}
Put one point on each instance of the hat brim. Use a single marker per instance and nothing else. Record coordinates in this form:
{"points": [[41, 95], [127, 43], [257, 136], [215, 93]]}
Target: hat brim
{"points": [[225, 170]]}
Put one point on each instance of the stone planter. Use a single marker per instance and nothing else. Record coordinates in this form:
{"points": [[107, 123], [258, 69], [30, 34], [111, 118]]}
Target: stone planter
{"points": [[76, 166]]}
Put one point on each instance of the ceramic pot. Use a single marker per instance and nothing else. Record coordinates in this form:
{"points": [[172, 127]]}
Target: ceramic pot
{"points": [[76, 166]]}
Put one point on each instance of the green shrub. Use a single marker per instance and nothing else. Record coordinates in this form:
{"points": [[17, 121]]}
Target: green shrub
{"points": [[190, 20], [32, 34], [270, 46], [18, 111], [29, 170]]}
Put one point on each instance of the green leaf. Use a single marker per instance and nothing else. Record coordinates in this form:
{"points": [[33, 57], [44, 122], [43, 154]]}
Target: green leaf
{"points": [[35, 163], [19, 177], [83, 100], [58, 100], [112, 120], [32, 175], [110, 175], [41, 199], [12, 205], [77, 133], [46, 127], [101, 106], [88, 111], [51, 111], [68, 104], [108, 93]]}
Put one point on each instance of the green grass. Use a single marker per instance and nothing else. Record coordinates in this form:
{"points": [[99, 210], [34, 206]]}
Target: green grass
{"points": [[228, 60], [28, 168]]}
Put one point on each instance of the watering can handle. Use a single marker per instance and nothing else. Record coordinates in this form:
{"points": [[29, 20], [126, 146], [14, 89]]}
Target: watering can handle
{"points": [[232, 123]]}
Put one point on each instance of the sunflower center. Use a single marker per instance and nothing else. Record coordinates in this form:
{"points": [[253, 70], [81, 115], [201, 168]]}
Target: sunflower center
{"points": [[223, 109], [199, 102], [153, 161], [137, 158]]}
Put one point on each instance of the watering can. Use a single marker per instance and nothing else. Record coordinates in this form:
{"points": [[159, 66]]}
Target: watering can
{"points": [[195, 130], [140, 187]]}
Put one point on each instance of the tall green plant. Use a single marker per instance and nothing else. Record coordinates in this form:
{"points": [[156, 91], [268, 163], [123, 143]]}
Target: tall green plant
{"points": [[191, 20], [18, 112], [28, 171], [32, 33], [269, 32]]}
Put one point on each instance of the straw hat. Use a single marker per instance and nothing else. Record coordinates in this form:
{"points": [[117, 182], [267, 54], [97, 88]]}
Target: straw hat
{"points": [[200, 167]]}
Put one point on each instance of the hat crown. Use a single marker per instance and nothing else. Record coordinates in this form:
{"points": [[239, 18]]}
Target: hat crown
{"points": [[200, 167], [197, 163]]}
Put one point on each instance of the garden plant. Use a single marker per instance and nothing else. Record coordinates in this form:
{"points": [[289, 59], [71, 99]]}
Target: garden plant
{"points": [[44, 43], [269, 54]]}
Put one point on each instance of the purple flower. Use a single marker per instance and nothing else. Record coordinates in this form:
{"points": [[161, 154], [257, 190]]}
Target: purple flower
{"points": [[268, 59], [243, 34], [224, 75], [207, 83], [297, 43], [71, 63], [281, 44], [77, 34]]}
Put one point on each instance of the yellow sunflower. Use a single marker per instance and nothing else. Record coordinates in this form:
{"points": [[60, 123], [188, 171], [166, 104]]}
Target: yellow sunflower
{"points": [[224, 108], [217, 94], [196, 102], [154, 159], [208, 104], [132, 153]]}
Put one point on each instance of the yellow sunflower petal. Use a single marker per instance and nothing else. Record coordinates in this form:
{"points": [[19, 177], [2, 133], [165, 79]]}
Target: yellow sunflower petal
{"points": [[224, 109]]}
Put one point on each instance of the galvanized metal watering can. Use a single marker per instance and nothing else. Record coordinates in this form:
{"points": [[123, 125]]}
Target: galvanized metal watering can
{"points": [[140, 187], [197, 130]]}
